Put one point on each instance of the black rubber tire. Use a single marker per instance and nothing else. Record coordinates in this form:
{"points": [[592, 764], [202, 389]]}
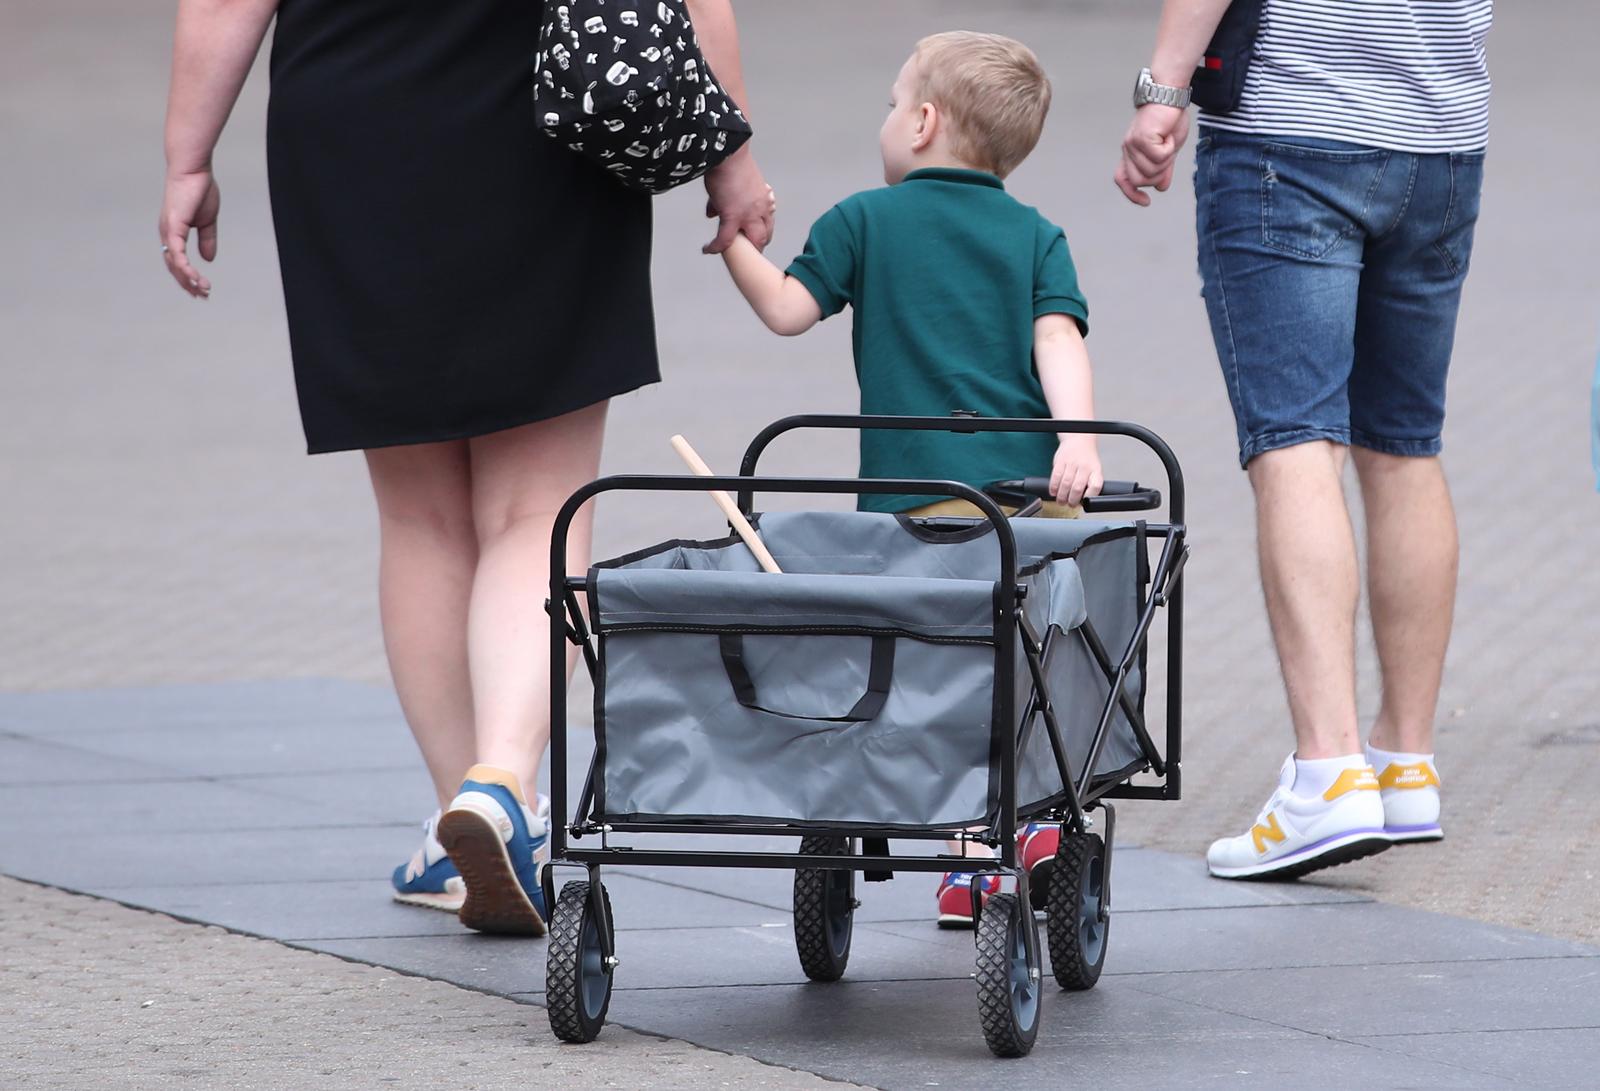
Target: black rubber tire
{"points": [[577, 984], [1010, 992], [1076, 924], [824, 911]]}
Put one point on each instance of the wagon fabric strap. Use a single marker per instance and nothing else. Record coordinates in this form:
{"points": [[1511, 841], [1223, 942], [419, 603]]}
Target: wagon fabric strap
{"points": [[879, 672]]}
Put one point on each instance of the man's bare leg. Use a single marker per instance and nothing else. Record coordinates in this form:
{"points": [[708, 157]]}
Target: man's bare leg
{"points": [[1412, 553], [1309, 574]]}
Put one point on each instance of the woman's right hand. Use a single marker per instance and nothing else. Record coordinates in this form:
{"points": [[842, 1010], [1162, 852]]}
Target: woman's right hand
{"points": [[191, 203], [738, 197]]}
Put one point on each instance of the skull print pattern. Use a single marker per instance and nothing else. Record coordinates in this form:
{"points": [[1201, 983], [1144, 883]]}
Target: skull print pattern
{"points": [[624, 82]]}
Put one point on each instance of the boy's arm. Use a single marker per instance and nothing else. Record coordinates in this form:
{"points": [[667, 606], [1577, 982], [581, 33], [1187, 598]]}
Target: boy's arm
{"points": [[779, 300], [1062, 361]]}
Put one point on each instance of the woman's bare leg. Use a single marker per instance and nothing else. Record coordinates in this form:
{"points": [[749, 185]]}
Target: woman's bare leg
{"points": [[429, 555], [520, 479]]}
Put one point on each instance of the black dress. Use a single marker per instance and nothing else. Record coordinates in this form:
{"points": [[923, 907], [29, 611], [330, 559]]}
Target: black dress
{"points": [[448, 271]]}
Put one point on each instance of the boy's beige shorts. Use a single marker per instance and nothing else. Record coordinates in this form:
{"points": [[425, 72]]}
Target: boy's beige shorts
{"points": [[968, 510]]}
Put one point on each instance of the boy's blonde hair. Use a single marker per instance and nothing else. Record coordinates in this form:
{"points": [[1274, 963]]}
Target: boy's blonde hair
{"points": [[993, 91]]}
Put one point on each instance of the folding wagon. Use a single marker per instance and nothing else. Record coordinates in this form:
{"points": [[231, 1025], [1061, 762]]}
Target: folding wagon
{"points": [[916, 679]]}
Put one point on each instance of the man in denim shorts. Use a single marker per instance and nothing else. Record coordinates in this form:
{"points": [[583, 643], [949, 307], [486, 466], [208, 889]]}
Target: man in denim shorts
{"points": [[1336, 202]]}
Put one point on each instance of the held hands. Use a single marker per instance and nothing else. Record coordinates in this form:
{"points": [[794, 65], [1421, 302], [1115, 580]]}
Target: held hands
{"points": [[1150, 150], [740, 199], [190, 204], [1076, 473]]}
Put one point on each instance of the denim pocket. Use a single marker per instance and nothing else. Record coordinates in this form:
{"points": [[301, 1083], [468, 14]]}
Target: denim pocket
{"points": [[1313, 198], [1461, 213]]}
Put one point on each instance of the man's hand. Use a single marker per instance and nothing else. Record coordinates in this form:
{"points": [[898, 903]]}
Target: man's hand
{"points": [[1076, 473], [739, 197], [1150, 150]]}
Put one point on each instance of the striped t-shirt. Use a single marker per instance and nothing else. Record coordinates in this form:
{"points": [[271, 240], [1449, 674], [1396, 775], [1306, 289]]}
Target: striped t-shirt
{"points": [[1409, 75]]}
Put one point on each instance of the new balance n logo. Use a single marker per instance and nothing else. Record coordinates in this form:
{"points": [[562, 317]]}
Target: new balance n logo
{"points": [[1270, 832]]}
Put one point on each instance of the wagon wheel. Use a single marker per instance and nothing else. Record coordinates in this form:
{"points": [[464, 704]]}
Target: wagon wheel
{"points": [[1077, 923], [1009, 987], [577, 984], [824, 910]]}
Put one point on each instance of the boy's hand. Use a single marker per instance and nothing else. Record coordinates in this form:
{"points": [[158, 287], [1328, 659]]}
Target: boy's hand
{"points": [[1076, 473]]}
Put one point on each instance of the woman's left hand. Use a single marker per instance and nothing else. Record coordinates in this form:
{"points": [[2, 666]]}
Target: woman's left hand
{"points": [[738, 196]]}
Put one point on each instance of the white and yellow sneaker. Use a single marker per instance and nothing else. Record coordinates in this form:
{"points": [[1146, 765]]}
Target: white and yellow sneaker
{"points": [[1409, 787], [1296, 834]]}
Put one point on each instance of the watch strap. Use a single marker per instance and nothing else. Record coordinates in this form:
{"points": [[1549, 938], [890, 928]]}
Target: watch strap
{"points": [[1149, 91]]}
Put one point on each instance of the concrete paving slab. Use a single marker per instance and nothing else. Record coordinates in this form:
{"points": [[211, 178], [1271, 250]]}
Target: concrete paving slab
{"points": [[1528, 1058], [153, 809], [25, 760], [402, 795], [919, 1034], [255, 747], [1259, 938], [200, 855], [213, 705], [292, 910], [1148, 879], [502, 965], [1416, 998]]}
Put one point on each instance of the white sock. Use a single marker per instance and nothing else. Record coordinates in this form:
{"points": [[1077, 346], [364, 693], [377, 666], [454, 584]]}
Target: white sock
{"points": [[1316, 776], [1382, 759]]}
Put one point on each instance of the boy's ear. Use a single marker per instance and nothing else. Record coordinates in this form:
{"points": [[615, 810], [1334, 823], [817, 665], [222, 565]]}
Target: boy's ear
{"points": [[928, 121]]}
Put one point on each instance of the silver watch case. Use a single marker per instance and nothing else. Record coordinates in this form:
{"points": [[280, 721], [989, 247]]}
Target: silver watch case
{"points": [[1147, 90]]}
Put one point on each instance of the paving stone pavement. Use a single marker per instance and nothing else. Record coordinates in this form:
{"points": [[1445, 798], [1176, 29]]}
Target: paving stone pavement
{"points": [[96, 994], [274, 809], [160, 525]]}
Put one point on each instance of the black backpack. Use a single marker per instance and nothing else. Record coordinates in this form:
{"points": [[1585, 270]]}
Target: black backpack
{"points": [[1219, 81], [624, 83]]}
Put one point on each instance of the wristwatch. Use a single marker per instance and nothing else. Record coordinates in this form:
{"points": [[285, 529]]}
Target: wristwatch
{"points": [[1147, 90]]}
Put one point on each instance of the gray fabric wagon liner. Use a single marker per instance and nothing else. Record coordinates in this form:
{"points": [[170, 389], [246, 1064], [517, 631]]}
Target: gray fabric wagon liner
{"points": [[858, 687]]}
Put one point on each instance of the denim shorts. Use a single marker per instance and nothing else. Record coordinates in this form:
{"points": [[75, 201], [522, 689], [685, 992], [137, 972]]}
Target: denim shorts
{"points": [[1332, 275]]}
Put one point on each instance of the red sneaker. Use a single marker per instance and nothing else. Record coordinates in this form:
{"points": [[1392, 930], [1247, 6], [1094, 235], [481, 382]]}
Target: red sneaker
{"points": [[955, 897], [1036, 852]]}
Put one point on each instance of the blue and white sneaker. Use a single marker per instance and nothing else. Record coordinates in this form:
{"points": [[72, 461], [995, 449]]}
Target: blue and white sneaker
{"points": [[500, 845], [430, 879]]}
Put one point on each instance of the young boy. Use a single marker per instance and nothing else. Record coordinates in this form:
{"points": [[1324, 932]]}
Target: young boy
{"points": [[964, 299]]}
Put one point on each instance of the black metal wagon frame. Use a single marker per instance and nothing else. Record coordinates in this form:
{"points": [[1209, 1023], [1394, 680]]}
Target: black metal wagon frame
{"points": [[582, 954]]}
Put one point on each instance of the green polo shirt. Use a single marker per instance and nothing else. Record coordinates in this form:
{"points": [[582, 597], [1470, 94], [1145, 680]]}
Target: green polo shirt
{"points": [[946, 273]]}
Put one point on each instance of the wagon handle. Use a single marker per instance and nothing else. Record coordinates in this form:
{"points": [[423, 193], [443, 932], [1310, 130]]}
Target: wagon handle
{"points": [[1113, 495], [1169, 461]]}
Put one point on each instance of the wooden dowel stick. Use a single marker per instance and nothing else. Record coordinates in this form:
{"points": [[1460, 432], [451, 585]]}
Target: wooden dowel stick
{"points": [[725, 502]]}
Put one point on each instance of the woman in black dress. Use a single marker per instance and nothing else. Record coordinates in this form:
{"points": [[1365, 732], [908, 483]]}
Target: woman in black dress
{"points": [[464, 295]]}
